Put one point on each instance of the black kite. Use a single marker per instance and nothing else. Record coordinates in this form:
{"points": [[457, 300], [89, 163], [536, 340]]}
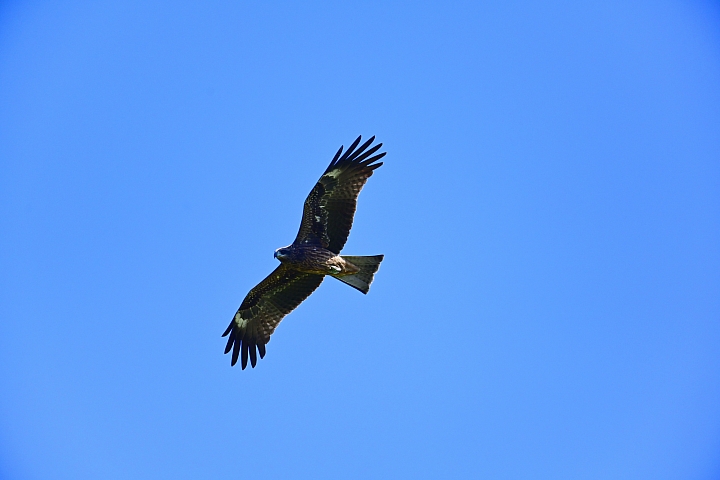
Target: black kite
{"points": [[326, 222]]}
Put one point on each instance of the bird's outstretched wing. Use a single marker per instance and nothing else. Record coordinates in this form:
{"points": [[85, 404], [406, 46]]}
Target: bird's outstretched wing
{"points": [[263, 308], [329, 209]]}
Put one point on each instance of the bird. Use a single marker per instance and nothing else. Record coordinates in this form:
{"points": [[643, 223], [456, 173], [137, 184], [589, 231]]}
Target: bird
{"points": [[327, 218]]}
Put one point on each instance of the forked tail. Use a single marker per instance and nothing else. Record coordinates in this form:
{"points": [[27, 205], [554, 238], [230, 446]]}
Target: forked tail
{"points": [[368, 266]]}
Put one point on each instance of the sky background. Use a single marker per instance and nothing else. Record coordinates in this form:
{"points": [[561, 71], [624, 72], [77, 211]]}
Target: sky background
{"points": [[549, 209]]}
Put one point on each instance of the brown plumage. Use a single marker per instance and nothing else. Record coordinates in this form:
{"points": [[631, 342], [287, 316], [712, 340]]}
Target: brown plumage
{"points": [[327, 219]]}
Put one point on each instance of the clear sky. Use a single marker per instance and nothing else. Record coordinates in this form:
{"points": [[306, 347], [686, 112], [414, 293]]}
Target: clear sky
{"points": [[549, 208]]}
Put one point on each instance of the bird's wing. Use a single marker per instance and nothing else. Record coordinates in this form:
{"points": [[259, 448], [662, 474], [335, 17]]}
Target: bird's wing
{"points": [[330, 207], [263, 308]]}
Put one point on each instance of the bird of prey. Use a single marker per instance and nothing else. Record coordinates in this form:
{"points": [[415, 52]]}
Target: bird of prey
{"points": [[326, 221]]}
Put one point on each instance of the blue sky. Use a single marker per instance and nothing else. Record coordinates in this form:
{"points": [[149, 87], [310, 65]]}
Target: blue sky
{"points": [[549, 209]]}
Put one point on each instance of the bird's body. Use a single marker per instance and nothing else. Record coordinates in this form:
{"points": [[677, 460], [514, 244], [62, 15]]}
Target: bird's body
{"points": [[314, 259], [327, 218]]}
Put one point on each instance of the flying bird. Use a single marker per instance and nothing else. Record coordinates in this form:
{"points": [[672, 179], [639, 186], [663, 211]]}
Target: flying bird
{"points": [[326, 221]]}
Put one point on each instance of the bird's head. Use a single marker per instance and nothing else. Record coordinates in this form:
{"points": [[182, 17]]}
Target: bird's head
{"points": [[282, 253]]}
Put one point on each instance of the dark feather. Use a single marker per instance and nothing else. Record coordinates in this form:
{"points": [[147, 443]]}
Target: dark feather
{"points": [[228, 330], [231, 339], [236, 348], [335, 158], [244, 354], [351, 148], [253, 355], [368, 153]]}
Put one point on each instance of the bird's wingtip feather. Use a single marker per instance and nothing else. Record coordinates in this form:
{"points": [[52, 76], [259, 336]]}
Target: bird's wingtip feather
{"points": [[229, 328]]}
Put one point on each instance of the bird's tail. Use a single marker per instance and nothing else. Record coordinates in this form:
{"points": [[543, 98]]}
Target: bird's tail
{"points": [[368, 266]]}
